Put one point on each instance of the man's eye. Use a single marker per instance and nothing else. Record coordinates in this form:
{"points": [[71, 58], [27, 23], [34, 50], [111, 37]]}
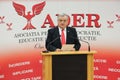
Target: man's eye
{"points": [[60, 20], [63, 20]]}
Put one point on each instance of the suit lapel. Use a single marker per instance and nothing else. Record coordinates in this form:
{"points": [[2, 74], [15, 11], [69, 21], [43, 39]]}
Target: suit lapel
{"points": [[57, 35], [67, 35]]}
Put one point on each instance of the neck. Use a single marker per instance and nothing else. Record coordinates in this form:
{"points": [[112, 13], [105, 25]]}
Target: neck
{"points": [[62, 28]]}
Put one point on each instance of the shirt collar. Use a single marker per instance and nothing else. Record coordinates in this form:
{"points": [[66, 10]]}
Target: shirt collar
{"points": [[61, 29]]}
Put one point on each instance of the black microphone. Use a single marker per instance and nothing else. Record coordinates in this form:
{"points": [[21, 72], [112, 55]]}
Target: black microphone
{"points": [[83, 41], [51, 43]]}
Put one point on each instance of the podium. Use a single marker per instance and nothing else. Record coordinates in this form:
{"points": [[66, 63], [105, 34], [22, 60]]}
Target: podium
{"points": [[68, 65]]}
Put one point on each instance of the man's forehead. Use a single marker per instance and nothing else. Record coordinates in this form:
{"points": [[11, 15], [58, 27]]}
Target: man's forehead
{"points": [[62, 17]]}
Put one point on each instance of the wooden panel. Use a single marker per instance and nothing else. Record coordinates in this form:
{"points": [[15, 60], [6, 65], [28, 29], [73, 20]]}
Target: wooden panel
{"points": [[90, 66], [47, 68]]}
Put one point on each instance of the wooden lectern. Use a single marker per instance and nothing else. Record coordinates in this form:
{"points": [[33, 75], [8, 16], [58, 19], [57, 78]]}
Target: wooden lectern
{"points": [[68, 65]]}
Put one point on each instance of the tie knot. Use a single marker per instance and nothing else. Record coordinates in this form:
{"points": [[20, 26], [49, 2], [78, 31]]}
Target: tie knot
{"points": [[62, 29]]}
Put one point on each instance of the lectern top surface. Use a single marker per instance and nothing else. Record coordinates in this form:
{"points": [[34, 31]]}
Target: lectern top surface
{"points": [[68, 52]]}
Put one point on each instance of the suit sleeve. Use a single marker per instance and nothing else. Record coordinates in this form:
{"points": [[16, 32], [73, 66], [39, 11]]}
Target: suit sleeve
{"points": [[49, 39], [77, 43]]}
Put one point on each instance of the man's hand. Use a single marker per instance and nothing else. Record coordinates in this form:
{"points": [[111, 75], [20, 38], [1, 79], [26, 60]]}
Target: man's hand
{"points": [[58, 49], [73, 49]]}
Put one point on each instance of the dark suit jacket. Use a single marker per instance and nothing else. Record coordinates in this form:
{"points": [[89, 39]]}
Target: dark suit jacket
{"points": [[53, 39]]}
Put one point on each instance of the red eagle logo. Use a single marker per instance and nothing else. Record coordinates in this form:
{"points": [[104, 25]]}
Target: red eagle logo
{"points": [[36, 9]]}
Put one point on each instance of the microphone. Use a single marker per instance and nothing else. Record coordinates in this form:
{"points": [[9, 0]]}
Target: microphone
{"points": [[51, 43], [83, 41]]}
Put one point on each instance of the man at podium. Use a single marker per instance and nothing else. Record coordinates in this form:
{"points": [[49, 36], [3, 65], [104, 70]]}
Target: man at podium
{"points": [[62, 35]]}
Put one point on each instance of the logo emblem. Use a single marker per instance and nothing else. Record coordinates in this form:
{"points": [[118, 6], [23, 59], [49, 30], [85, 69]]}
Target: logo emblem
{"points": [[9, 25], [118, 17], [1, 19], [110, 24], [36, 10]]}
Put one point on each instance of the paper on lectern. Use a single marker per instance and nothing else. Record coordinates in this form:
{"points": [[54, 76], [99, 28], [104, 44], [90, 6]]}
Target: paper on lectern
{"points": [[67, 47]]}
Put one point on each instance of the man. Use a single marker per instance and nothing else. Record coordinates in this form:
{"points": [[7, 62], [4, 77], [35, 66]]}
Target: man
{"points": [[61, 35]]}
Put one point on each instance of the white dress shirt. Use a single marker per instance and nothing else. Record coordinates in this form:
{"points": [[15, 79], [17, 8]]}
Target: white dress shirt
{"points": [[60, 31]]}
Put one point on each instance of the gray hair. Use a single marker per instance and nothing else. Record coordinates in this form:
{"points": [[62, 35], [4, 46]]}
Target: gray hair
{"points": [[62, 15]]}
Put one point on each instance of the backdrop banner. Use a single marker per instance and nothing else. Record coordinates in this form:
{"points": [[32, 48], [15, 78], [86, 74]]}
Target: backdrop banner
{"points": [[24, 25]]}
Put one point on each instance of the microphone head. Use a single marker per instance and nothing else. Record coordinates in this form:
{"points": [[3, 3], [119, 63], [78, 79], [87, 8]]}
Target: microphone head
{"points": [[45, 51]]}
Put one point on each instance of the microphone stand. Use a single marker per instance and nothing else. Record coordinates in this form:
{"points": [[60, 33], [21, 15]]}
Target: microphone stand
{"points": [[83, 41], [87, 43]]}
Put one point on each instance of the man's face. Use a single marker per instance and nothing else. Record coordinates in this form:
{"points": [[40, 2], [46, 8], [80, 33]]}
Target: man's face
{"points": [[63, 21]]}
